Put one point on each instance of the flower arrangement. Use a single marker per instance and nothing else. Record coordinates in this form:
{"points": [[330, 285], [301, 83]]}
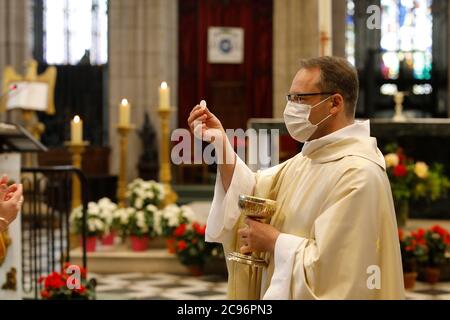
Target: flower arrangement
{"points": [[438, 244], [96, 225], [191, 248], [172, 216], [107, 209], [413, 180], [55, 286], [141, 193], [121, 220], [413, 249], [141, 222], [426, 249]]}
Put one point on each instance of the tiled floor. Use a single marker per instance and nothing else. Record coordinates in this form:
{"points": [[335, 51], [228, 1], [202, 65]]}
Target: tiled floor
{"points": [[166, 286], [132, 286]]}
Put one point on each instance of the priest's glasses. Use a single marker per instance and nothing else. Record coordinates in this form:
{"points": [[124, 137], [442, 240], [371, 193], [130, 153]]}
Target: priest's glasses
{"points": [[258, 209]]}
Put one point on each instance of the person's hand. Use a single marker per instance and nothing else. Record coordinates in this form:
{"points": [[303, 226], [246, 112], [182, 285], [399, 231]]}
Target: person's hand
{"points": [[204, 124], [5, 191], [258, 236], [11, 200]]}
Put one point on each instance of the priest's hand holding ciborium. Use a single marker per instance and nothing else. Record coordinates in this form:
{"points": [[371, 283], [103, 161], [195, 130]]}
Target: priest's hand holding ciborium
{"points": [[259, 209]]}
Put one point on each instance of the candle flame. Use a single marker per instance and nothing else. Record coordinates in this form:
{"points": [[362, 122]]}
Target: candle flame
{"points": [[124, 102], [164, 85], [76, 119]]}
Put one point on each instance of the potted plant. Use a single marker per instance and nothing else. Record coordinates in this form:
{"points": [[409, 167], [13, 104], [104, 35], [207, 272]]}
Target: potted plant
{"points": [[141, 193], [413, 180], [121, 220], [413, 251], [168, 219], [438, 243], [190, 247], [141, 227], [107, 209], [95, 224], [56, 285]]}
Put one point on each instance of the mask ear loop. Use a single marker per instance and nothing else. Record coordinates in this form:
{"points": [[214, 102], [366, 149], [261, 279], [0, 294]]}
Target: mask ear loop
{"points": [[327, 117]]}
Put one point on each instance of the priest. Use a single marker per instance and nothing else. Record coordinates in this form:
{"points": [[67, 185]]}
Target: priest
{"points": [[334, 233]]}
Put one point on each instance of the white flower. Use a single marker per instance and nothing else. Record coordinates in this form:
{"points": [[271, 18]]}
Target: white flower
{"points": [[151, 208], [392, 160], [188, 213], [421, 170], [93, 208], [138, 203]]}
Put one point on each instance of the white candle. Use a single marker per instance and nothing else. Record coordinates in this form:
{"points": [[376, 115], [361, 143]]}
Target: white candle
{"points": [[164, 96], [124, 113], [76, 130]]}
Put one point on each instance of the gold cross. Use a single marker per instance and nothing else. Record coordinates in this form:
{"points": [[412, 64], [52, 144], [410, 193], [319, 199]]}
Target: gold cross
{"points": [[378, 245]]}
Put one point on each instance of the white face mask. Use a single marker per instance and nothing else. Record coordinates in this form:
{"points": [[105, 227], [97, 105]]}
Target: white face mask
{"points": [[296, 117]]}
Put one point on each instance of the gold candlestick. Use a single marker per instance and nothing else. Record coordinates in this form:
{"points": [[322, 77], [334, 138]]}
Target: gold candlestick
{"points": [[165, 175], [77, 150], [123, 131]]}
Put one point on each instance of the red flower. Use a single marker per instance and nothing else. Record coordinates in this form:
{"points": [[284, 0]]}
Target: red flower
{"points": [[419, 234], [400, 170], [401, 156], [45, 294], [200, 230], [447, 239], [438, 229], [400, 234], [83, 272], [180, 230], [181, 245], [54, 280], [81, 290]]}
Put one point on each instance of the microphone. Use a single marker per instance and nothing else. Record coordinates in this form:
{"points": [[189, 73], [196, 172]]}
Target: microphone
{"points": [[11, 89]]}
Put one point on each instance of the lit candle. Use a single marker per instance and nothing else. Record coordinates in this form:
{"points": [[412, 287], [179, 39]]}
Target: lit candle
{"points": [[124, 113], [76, 130], [164, 96]]}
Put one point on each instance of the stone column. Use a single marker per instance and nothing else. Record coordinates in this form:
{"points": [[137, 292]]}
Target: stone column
{"points": [[143, 52], [15, 35], [296, 36], [339, 27]]}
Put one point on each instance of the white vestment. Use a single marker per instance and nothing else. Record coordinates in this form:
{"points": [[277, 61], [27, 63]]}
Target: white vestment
{"points": [[339, 235]]}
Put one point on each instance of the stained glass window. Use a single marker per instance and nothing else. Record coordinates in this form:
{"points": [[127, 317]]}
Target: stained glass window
{"points": [[75, 30], [350, 32], [406, 38]]}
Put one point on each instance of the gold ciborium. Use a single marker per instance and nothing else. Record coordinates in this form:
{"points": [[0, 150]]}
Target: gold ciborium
{"points": [[258, 209]]}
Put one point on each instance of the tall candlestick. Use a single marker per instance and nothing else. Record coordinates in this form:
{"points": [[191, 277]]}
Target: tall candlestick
{"points": [[164, 96], [124, 113], [76, 130]]}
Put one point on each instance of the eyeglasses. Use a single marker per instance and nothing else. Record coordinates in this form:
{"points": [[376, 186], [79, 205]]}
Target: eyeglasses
{"points": [[297, 97]]}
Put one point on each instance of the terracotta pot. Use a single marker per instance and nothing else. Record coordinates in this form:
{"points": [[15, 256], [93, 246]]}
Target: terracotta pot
{"points": [[432, 275], [108, 239], [171, 245], [195, 270], [409, 279], [139, 243], [91, 243]]}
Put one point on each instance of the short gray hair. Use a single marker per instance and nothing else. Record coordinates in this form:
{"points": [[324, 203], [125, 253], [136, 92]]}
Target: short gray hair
{"points": [[336, 75]]}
